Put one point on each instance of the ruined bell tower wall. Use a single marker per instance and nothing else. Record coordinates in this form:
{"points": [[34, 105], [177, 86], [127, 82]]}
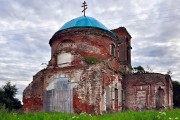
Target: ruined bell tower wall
{"points": [[147, 91]]}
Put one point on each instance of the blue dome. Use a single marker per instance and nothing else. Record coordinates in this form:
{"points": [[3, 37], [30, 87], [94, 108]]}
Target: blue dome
{"points": [[84, 21]]}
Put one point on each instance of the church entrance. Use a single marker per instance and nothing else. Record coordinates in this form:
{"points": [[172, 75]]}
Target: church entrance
{"points": [[160, 98], [58, 96]]}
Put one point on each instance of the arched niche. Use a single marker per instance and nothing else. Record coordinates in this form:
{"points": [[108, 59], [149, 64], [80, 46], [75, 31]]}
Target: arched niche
{"points": [[160, 98]]}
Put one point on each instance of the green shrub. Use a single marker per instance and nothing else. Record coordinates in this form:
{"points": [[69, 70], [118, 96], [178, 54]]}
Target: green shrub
{"points": [[91, 60]]}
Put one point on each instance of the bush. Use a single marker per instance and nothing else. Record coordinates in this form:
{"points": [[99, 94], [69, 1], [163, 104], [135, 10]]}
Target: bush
{"points": [[7, 97], [91, 60], [176, 92]]}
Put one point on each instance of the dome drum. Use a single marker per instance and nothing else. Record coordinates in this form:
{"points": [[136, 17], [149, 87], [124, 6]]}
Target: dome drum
{"points": [[81, 31]]}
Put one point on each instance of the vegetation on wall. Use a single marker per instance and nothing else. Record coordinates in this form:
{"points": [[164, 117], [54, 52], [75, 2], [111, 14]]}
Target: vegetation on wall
{"points": [[91, 60], [138, 69], [7, 97]]}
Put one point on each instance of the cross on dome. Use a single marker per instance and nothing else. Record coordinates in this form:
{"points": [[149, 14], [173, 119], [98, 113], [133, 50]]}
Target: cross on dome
{"points": [[85, 7]]}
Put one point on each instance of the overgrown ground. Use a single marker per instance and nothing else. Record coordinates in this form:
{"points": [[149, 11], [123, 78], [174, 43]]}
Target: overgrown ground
{"points": [[128, 115]]}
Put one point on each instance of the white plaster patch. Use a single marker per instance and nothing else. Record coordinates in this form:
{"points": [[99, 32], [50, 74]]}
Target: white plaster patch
{"points": [[50, 86], [77, 76], [65, 59]]}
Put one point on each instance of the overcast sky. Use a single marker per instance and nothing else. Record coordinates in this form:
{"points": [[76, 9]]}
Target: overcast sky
{"points": [[26, 27]]}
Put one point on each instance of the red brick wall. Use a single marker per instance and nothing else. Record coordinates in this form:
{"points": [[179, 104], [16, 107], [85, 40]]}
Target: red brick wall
{"points": [[81, 43], [32, 104], [149, 83], [124, 43]]}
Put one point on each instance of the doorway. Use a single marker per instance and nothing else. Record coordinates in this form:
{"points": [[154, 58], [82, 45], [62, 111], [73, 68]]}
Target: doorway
{"points": [[58, 96]]}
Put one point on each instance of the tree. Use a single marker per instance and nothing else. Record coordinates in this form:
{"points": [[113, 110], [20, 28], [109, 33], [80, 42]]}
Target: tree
{"points": [[10, 90], [176, 93], [169, 72], [7, 94], [139, 69], [1, 97], [149, 69]]}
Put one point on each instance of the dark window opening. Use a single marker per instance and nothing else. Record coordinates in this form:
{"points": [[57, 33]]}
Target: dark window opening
{"points": [[112, 50]]}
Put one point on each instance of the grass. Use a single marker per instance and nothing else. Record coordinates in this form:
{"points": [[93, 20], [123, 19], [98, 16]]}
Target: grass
{"points": [[128, 115]]}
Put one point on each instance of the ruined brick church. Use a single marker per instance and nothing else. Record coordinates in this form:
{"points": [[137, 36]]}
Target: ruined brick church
{"points": [[90, 71]]}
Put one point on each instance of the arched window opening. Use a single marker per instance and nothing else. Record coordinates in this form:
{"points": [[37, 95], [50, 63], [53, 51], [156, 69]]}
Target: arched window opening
{"points": [[160, 98], [116, 103], [112, 50], [108, 99]]}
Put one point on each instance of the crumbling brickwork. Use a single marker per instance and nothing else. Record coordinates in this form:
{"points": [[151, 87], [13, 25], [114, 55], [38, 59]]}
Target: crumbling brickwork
{"points": [[89, 81], [84, 74], [147, 91]]}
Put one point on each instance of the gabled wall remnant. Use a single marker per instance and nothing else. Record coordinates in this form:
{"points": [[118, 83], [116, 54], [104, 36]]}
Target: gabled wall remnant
{"points": [[148, 91]]}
